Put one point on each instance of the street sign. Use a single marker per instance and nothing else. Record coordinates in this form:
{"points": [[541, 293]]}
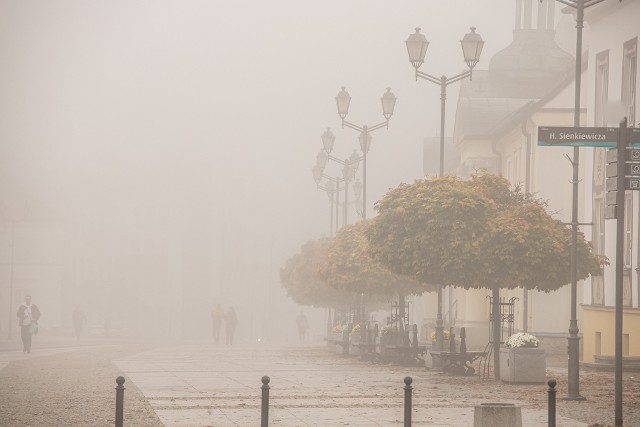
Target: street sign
{"points": [[632, 183], [585, 137], [634, 137], [612, 155], [611, 170], [611, 183], [632, 154], [610, 198], [577, 136], [631, 168]]}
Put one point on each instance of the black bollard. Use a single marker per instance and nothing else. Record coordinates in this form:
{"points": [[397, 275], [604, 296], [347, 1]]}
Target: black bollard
{"points": [[463, 340], [119, 401], [407, 401], [552, 402], [264, 416]]}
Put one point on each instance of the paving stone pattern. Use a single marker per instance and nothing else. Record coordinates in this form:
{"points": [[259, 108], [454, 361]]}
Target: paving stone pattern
{"points": [[220, 386], [64, 384]]}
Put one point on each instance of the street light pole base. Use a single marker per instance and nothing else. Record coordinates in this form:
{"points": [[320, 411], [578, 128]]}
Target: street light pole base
{"points": [[573, 397]]}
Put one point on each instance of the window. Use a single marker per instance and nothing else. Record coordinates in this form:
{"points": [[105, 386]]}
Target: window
{"points": [[602, 88], [629, 68], [598, 226], [625, 344], [628, 228]]}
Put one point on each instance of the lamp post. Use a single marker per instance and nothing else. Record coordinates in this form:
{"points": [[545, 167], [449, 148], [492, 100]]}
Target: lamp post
{"points": [[417, 45], [10, 323], [333, 186], [343, 99], [573, 386], [349, 165], [330, 189]]}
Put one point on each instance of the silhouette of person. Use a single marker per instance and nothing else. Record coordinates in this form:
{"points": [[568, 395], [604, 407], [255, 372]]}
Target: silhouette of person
{"points": [[79, 319], [303, 324], [28, 315], [217, 316], [231, 321]]}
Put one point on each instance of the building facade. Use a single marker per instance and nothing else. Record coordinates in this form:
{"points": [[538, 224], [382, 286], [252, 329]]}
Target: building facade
{"points": [[612, 80]]}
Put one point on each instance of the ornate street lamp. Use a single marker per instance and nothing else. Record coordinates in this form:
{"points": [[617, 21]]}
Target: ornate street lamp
{"points": [[343, 100], [417, 49], [417, 45]]}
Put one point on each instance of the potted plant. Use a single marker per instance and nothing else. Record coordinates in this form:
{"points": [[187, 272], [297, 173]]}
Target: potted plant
{"points": [[522, 361], [446, 343]]}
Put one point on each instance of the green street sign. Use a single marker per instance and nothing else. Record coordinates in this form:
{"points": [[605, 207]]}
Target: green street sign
{"points": [[563, 136], [577, 137]]}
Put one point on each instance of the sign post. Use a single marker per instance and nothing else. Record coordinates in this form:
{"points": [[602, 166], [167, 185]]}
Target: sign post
{"points": [[622, 157], [622, 174]]}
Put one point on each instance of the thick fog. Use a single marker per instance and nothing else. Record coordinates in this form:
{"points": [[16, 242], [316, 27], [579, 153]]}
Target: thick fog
{"points": [[155, 156]]}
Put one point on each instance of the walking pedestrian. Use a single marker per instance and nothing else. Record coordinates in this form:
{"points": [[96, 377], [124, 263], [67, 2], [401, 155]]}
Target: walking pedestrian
{"points": [[303, 324], [79, 319], [28, 315], [231, 321], [217, 316]]}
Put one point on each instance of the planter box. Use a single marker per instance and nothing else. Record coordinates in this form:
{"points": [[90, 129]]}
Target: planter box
{"points": [[523, 365], [331, 341], [433, 362], [497, 415]]}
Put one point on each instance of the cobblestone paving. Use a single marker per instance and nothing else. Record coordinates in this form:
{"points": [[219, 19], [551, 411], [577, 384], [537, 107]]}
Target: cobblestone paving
{"points": [[220, 386], [205, 385], [70, 386]]}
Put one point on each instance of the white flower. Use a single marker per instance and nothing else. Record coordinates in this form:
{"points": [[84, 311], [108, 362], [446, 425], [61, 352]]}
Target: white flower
{"points": [[522, 339]]}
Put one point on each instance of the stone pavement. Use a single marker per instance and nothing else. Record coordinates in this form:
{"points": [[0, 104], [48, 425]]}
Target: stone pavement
{"points": [[206, 385], [9, 356], [43, 346]]}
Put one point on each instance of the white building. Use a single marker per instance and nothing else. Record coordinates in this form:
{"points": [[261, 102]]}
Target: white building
{"points": [[612, 79]]}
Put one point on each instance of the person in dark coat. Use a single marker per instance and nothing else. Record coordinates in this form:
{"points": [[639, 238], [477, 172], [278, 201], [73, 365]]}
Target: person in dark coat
{"points": [[28, 315], [231, 321], [217, 316]]}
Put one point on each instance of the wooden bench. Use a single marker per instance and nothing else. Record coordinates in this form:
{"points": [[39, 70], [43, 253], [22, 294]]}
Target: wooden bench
{"points": [[409, 354], [457, 363]]}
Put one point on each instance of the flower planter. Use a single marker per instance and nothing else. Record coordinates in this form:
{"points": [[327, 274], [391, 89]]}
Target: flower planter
{"points": [[354, 338], [523, 365], [434, 362]]}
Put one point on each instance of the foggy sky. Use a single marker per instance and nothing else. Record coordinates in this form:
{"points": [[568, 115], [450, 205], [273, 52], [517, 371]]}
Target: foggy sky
{"points": [[136, 114]]}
